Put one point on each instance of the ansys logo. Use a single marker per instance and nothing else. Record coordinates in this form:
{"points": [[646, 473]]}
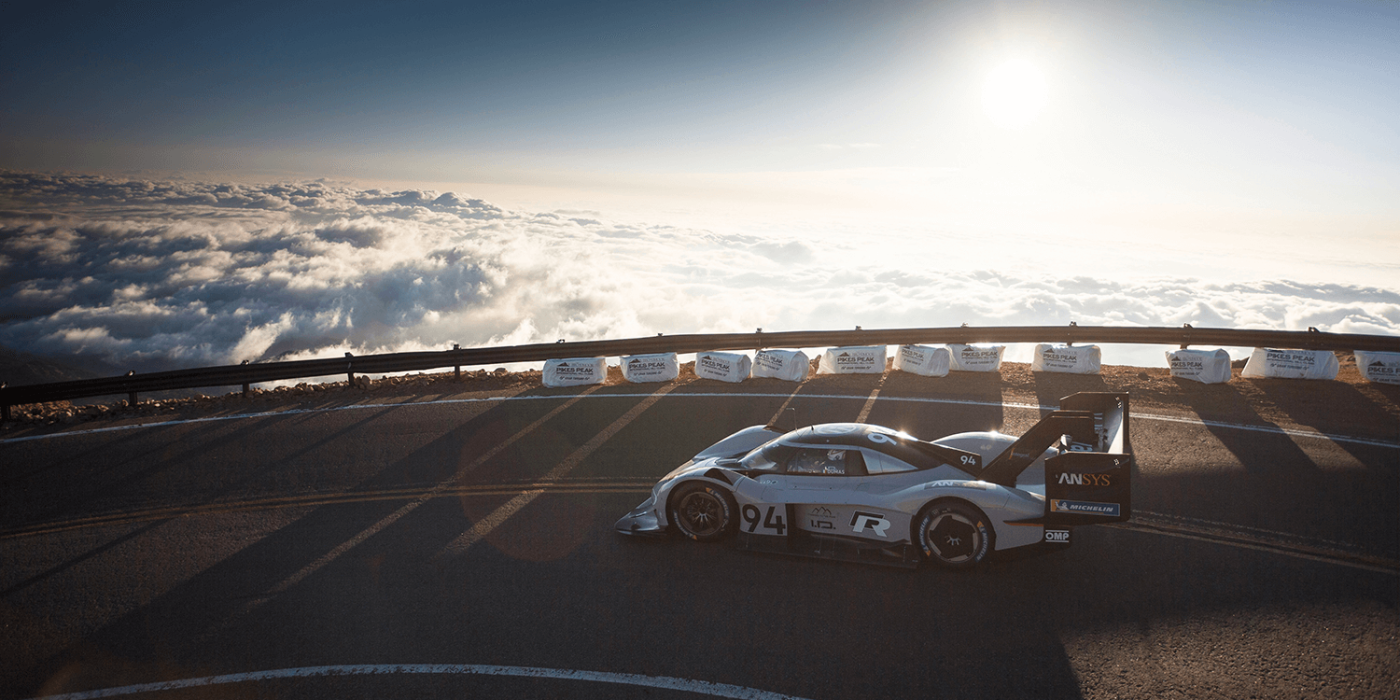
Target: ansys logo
{"points": [[1084, 479]]}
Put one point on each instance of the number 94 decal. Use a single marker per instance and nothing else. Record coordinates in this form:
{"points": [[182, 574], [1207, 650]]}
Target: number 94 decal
{"points": [[772, 521]]}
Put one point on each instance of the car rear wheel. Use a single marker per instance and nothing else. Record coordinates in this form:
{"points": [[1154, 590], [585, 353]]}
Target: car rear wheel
{"points": [[955, 535], [702, 512]]}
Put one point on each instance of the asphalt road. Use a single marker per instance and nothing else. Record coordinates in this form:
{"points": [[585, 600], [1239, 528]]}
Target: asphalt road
{"points": [[464, 548]]}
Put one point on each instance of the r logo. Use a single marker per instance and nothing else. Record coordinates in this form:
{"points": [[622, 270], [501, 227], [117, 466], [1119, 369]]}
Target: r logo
{"points": [[874, 521]]}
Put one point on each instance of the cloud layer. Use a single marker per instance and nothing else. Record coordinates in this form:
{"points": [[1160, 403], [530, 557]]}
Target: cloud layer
{"points": [[159, 275]]}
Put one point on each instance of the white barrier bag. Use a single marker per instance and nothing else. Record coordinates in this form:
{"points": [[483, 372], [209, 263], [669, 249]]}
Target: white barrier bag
{"points": [[923, 360], [788, 365], [724, 366], [575, 372], [661, 367], [1383, 367], [868, 359], [1204, 366], [974, 358], [1291, 364], [1073, 359]]}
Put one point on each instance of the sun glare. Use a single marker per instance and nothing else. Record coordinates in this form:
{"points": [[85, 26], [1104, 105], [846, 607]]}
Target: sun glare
{"points": [[1013, 94]]}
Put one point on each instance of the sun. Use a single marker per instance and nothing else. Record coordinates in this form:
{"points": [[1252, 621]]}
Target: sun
{"points": [[1013, 93]]}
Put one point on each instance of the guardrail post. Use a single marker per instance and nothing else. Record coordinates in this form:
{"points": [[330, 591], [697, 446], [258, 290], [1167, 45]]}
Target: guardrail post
{"points": [[274, 371], [246, 386], [457, 368], [131, 395], [4, 408]]}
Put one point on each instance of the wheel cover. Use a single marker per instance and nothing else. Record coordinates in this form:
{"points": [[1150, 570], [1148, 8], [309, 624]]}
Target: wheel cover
{"points": [[701, 514], [953, 538]]}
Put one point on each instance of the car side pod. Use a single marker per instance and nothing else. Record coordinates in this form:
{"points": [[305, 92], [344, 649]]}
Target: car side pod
{"points": [[810, 545], [1089, 481]]}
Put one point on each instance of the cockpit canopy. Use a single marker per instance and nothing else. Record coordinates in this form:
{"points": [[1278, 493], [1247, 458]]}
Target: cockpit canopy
{"points": [[849, 449]]}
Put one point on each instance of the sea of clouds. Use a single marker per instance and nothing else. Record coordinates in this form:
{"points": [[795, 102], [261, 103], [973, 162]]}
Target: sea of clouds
{"points": [[149, 276]]}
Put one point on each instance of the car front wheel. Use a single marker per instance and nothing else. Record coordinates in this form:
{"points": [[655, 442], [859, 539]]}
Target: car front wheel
{"points": [[955, 535], [702, 512]]}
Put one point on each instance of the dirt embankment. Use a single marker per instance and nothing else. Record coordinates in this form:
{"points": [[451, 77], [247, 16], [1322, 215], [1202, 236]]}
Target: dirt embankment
{"points": [[1349, 405]]}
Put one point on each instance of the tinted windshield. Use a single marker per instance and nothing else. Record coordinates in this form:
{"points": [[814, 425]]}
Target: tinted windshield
{"points": [[767, 457]]}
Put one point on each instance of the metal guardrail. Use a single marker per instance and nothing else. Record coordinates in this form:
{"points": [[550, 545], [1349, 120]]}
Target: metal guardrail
{"points": [[247, 374]]}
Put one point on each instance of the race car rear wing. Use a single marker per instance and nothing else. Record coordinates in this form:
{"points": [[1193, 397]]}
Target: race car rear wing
{"points": [[1089, 480]]}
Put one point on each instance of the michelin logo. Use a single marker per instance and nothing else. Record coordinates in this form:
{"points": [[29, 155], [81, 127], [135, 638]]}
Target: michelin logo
{"points": [[1059, 505]]}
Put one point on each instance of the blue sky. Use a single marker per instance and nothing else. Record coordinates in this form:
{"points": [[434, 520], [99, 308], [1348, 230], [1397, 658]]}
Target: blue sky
{"points": [[533, 91], [846, 152]]}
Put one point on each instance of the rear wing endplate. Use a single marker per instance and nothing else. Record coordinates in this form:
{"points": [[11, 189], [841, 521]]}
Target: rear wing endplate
{"points": [[1089, 480]]}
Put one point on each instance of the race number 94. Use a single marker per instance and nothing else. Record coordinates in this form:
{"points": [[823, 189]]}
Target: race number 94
{"points": [[754, 518]]}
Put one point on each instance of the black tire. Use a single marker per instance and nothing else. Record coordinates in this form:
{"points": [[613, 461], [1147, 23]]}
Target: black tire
{"points": [[703, 512], [954, 534]]}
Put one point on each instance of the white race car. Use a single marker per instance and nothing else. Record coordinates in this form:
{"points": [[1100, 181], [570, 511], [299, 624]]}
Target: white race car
{"points": [[862, 492]]}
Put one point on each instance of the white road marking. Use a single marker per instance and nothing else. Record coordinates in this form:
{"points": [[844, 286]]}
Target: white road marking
{"points": [[1339, 560], [388, 520], [483, 527], [1273, 430], [717, 690], [870, 402], [1200, 522]]}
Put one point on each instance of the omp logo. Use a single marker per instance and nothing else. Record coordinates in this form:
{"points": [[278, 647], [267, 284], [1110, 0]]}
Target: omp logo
{"points": [[1084, 479], [1059, 536], [874, 521]]}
